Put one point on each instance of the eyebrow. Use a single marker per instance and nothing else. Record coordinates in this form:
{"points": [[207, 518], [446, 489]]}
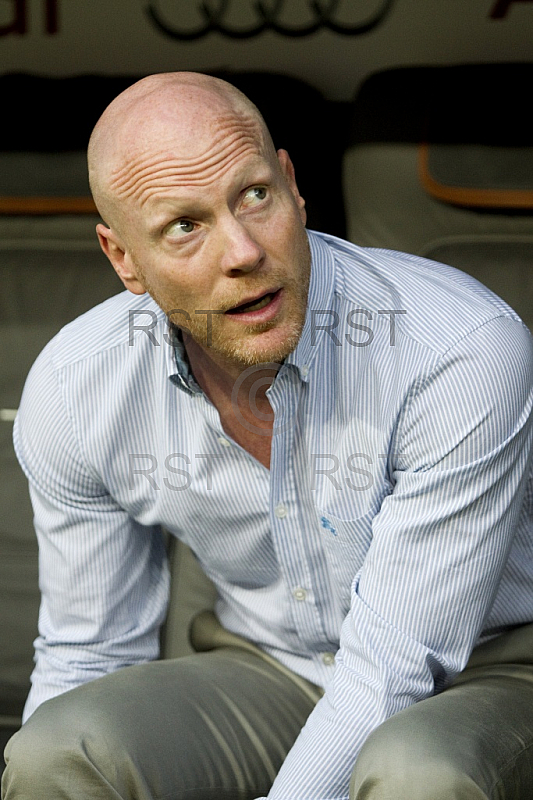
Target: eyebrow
{"points": [[194, 208], [181, 210]]}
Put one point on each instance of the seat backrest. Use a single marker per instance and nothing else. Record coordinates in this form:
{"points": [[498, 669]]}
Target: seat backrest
{"points": [[33, 182], [440, 164], [51, 270]]}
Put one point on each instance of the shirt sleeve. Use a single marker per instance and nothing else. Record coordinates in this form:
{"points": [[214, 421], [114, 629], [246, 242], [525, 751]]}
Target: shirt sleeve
{"points": [[440, 543], [103, 577]]}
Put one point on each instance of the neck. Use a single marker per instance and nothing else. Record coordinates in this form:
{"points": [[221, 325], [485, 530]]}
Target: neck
{"points": [[228, 381], [239, 394]]}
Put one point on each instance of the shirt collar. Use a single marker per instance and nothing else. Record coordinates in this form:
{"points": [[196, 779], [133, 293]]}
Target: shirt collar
{"points": [[182, 377], [319, 305]]}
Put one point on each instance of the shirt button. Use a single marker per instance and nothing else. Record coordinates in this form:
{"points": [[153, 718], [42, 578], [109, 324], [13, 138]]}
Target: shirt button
{"points": [[299, 593], [305, 370], [328, 659], [280, 511], [224, 442]]}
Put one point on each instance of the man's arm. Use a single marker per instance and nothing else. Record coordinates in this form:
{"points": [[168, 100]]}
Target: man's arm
{"points": [[440, 544], [103, 576]]}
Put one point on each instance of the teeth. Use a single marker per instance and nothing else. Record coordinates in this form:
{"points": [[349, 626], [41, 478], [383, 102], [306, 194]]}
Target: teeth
{"points": [[261, 303]]}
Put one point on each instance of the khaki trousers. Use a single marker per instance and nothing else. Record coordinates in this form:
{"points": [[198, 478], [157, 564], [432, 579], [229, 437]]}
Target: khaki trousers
{"points": [[474, 741], [218, 724]]}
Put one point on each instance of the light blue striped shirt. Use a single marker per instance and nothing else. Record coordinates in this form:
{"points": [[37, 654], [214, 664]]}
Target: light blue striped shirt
{"points": [[391, 534]]}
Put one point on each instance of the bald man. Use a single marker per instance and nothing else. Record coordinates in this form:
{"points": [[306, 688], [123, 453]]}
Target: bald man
{"points": [[227, 153], [342, 436]]}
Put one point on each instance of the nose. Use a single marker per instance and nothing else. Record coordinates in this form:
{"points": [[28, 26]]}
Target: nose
{"points": [[240, 252]]}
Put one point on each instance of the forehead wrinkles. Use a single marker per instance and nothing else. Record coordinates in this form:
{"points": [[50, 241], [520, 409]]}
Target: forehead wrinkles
{"points": [[146, 173]]}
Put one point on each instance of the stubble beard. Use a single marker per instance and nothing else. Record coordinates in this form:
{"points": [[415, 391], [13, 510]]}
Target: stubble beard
{"points": [[246, 353], [243, 349]]}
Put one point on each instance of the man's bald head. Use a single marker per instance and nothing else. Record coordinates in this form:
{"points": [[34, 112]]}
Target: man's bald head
{"points": [[178, 109]]}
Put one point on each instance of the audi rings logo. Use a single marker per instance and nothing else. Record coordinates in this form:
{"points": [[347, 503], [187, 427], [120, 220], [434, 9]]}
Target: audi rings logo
{"points": [[265, 15]]}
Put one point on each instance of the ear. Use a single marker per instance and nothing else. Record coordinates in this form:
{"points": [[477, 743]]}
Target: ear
{"points": [[287, 169], [116, 252]]}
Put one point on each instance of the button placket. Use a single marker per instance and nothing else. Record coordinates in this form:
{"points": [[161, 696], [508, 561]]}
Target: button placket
{"points": [[285, 516]]}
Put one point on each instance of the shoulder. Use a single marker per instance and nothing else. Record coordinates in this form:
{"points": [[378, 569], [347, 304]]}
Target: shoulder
{"points": [[101, 371], [99, 360], [122, 321], [435, 304]]}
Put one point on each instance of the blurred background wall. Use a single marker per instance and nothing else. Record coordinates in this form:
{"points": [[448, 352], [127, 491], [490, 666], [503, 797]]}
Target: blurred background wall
{"points": [[333, 44]]}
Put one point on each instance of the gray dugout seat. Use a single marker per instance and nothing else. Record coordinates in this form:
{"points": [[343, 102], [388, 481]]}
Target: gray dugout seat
{"points": [[440, 163], [51, 270]]}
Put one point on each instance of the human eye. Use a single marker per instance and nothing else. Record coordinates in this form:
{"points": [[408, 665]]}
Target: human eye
{"points": [[179, 227], [255, 195]]}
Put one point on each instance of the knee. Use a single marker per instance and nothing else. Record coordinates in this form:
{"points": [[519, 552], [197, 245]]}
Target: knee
{"points": [[405, 768], [66, 736], [32, 754]]}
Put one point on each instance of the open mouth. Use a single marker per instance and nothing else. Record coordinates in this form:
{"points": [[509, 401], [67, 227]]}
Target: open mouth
{"points": [[254, 305]]}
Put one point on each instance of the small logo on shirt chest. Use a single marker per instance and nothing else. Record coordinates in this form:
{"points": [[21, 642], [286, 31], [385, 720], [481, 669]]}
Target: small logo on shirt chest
{"points": [[328, 526]]}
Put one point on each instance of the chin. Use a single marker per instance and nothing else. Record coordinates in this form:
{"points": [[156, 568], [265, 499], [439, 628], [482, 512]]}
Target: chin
{"points": [[254, 352]]}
